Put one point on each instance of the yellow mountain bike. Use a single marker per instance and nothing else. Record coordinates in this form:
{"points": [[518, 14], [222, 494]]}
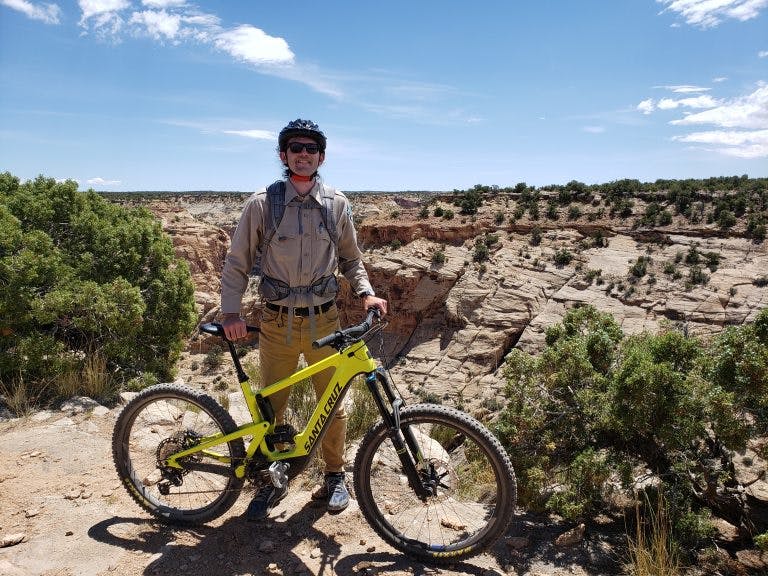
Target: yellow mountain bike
{"points": [[432, 481]]}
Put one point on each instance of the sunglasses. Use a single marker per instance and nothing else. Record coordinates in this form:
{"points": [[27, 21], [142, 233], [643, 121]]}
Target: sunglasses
{"points": [[297, 147]]}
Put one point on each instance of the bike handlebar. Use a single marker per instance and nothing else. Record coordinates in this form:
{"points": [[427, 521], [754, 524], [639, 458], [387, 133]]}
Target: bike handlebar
{"points": [[351, 333], [216, 329], [336, 339]]}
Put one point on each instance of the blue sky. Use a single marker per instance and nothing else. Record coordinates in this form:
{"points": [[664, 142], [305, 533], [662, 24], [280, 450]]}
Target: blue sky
{"points": [[413, 95]]}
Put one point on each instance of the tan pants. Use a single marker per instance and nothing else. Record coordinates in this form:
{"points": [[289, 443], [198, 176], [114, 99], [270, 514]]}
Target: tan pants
{"points": [[279, 358]]}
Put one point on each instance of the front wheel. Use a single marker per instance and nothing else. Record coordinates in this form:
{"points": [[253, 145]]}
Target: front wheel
{"points": [[472, 483], [161, 421]]}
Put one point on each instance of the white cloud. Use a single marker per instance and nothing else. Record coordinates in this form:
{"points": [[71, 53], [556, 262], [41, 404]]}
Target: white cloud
{"points": [[649, 106], [103, 16], [91, 8], [594, 129], [646, 106], [684, 89], [750, 112], [762, 54], [174, 20], [98, 181], [697, 102], [256, 134], [746, 116], [158, 24], [252, 45], [710, 13], [159, 4], [48, 13], [742, 144], [177, 21]]}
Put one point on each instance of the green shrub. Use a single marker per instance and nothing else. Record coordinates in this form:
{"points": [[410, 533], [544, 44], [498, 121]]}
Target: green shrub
{"points": [[574, 212], [563, 257], [81, 277], [712, 260], [596, 404], [535, 236], [761, 541], [470, 200], [693, 256], [551, 212], [697, 276], [481, 251], [640, 267]]}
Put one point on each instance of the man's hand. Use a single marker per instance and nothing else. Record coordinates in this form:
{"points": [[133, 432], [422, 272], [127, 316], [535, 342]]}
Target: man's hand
{"points": [[375, 302], [234, 326]]}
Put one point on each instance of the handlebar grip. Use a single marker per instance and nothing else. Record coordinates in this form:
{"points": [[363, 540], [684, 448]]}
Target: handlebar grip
{"points": [[355, 331], [216, 329], [326, 340]]}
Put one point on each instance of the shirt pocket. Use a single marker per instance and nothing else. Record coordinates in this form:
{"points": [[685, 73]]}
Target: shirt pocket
{"points": [[322, 246], [285, 245]]}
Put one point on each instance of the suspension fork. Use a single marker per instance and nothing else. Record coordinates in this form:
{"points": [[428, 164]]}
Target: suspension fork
{"points": [[402, 437]]}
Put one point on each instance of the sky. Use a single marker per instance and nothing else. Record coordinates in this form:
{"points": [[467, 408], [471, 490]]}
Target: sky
{"points": [[177, 95]]}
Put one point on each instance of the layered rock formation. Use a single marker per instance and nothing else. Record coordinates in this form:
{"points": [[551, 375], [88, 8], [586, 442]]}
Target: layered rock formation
{"points": [[456, 313]]}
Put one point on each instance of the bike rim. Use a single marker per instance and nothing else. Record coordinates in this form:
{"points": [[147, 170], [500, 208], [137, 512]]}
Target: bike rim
{"points": [[161, 426], [466, 505]]}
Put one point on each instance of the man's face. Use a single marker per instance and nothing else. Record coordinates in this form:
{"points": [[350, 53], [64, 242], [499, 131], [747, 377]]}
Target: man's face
{"points": [[302, 162]]}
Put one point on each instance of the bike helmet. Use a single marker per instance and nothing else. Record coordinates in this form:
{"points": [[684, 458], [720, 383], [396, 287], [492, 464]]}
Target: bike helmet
{"points": [[301, 127]]}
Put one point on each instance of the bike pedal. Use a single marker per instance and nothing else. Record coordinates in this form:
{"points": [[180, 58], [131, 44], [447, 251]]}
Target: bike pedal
{"points": [[283, 434]]}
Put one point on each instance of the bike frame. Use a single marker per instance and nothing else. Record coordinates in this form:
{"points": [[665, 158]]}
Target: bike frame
{"points": [[347, 363]]}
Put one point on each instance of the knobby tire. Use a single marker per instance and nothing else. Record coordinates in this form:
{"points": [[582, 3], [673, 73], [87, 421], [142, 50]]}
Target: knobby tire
{"points": [[155, 423], [476, 493]]}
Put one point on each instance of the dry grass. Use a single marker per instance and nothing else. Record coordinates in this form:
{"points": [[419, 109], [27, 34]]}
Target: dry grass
{"points": [[92, 379], [88, 377], [652, 551], [17, 397]]}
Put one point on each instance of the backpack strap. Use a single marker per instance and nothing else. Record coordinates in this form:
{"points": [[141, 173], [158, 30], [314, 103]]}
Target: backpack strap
{"points": [[276, 208], [327, 196], [276, 203]]}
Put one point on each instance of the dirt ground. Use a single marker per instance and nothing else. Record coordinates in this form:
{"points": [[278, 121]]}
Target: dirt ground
{"points": [[64, 513]]}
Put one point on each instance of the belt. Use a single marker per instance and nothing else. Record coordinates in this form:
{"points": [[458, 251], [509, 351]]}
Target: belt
{"points": [[301, 311]]}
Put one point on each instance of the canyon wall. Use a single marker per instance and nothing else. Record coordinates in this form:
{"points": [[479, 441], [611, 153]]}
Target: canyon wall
{"points": [[455, 313]]}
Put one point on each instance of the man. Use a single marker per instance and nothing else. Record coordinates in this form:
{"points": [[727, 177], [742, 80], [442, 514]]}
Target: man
{"points": [[297, 254]]}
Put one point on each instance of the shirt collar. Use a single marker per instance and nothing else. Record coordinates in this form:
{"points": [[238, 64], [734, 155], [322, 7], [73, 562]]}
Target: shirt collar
{"points": [[291, 193]]}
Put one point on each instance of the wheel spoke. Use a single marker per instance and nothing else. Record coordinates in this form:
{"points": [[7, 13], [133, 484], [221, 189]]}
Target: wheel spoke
{"points": [[163, 421], [471, 478]]}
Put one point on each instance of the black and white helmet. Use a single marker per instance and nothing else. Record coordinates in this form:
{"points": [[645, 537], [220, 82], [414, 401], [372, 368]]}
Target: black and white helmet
{"points": [[301, 127]]}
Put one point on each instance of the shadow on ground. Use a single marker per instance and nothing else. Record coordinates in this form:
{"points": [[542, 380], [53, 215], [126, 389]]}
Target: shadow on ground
{"points": [[296, 546]]}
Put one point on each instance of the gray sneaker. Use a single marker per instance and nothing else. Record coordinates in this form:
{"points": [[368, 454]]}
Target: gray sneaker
{"points": [[334, 490]]}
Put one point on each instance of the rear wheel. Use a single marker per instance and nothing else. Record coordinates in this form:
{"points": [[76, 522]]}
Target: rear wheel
{"points": [[473, 484], [161, 421]]}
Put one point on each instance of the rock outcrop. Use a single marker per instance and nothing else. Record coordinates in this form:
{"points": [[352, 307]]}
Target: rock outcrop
{"points": [[455, 315]]}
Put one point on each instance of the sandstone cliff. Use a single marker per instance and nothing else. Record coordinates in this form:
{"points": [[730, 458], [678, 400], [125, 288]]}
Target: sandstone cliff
{"points": [[455, 316]]}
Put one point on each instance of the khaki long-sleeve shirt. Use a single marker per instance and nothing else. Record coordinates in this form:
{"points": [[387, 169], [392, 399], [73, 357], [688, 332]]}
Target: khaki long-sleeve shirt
{"points": [[301, 251]]}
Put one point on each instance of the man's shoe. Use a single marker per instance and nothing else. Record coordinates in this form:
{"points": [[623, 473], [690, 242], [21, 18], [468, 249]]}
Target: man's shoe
{"points": [[266, 499], [334, 490]]}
